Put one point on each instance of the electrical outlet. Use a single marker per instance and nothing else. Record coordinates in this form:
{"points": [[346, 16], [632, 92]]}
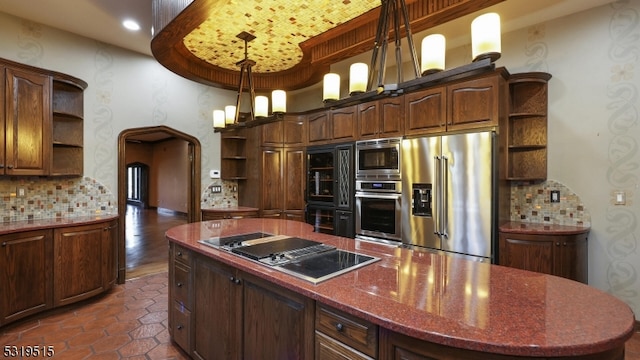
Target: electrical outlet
{"points": [[620, 198], [555, 196], [21, 192]]}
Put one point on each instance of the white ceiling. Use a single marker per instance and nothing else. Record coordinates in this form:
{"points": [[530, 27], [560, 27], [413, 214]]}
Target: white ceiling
{"points": [[102, 19]]}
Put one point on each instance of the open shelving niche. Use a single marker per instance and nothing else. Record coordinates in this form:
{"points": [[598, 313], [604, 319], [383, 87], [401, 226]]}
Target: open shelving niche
{"points": [[68, 128], [527, 133]]}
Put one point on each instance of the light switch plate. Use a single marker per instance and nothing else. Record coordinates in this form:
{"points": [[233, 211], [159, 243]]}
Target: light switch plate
{"points": [[555, 196]]}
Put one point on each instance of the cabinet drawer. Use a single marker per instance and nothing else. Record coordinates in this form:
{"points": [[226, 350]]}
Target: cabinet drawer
{"points": [[356, 333], [181, 254], [181, 284], [181, 327], [330, 349]]}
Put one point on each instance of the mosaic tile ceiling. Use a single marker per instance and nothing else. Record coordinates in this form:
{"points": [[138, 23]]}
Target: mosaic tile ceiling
{"points": [[278, 25]]}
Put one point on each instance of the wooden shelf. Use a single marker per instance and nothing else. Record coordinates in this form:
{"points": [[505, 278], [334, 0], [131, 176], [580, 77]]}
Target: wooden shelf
{"points": [[527, 127]]}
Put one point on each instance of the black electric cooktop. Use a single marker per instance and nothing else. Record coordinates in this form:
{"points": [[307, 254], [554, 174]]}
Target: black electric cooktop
{"points": [[306, 259]]}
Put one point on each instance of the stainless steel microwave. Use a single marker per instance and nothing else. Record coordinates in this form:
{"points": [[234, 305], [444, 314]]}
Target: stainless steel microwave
{"points": [[378, 159]]}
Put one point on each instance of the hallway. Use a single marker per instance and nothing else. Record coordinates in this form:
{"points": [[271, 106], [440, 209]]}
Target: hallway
{"points": [[146, 247]]}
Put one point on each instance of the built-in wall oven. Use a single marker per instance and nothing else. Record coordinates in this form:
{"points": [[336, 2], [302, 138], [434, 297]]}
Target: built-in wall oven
{"points": [[378, 159], [378, 210]]}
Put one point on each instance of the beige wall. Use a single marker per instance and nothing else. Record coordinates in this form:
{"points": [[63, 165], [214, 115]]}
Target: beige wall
{"points": [[594, 136]]}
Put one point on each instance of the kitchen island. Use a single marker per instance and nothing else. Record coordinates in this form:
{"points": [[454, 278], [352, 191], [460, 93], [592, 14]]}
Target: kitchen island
{"points": [[415, 304]]}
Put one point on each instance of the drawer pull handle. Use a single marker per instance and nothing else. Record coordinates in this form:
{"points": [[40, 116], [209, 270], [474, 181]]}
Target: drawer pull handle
{"points": [[179, 284], [180, 253], [180, 327], [4, 243], [339, 327], [236, 281]]}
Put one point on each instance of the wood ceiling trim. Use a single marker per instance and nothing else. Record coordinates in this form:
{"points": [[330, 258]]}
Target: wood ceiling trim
{"points": [[344, 41]]}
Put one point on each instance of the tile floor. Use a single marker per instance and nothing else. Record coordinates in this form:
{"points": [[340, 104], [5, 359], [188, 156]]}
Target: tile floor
{"points": [[129, 322]]}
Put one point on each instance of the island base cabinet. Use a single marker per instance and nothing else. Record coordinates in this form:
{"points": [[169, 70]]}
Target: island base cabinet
{"points": [[330, 349], [25, 274], [394, 346]]}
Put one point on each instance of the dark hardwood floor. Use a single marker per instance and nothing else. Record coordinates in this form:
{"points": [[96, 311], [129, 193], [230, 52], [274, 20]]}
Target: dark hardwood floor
{"points": [[146, 246]]}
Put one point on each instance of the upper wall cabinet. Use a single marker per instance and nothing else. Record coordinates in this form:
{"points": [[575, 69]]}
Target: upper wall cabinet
{"points": [[381, 118], [336, 125], [41, 120], [462, 105]]}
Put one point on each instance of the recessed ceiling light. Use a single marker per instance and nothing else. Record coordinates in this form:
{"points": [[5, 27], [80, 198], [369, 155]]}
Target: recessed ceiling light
{"points": [[131, 25]]}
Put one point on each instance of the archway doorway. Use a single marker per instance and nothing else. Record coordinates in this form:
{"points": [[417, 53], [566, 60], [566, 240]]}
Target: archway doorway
{"points": [[155, 134]]}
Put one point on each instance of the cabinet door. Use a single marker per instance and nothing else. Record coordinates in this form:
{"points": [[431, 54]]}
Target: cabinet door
{"points": [[78, 255], [294, 130], [25, 274], [527, 252], [391, 117], [28, 123], [110, 254], [218, 314], [572, 257], [473, 103], [369, 120], [277, 323], [272, 134], [345, 224], [294, 179], [344, 123], [319, 127], [425, 111], [272, 198], [3, 108]]}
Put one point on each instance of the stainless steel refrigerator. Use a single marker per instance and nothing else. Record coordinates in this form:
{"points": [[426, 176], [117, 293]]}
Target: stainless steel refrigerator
{"points": [[449, 193]]}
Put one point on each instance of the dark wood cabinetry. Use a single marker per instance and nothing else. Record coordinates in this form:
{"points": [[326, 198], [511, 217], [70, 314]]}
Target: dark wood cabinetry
{"points": [[26, 276], [84, 263], [233, 313], [340, 335], [335, 125], [381, 118], [27, 123], [463, 105], [229, 213], [564, 255], [283, 163], [527, 127], [43, 269], [41, 122]]}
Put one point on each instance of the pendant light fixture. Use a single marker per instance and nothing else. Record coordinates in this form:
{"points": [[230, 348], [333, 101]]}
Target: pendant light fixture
{"points": [[259, 105]]}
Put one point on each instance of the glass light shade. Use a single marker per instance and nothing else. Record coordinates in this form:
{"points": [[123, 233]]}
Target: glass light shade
{"points": [[262, 106], [230, 114], [331, 87], [218, 118], [279, 101], [433, 53], [485, 37], [358, 77]]}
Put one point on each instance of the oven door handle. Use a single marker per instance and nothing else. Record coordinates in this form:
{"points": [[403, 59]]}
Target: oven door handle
{"points": [[379, 196]]}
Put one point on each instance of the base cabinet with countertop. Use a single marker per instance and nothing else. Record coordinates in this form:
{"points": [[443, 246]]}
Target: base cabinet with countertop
{"points": [[555, 250], [48, 267], [229, 213]]}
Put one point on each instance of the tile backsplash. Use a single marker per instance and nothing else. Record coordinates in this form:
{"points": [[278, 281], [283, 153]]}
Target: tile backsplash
{"points": [[532, 203], [34, 198], [224, 199]]}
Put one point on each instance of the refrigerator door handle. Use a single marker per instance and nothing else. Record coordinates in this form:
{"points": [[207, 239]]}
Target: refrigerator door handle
{"points": [[445, 196], [437, 214]]}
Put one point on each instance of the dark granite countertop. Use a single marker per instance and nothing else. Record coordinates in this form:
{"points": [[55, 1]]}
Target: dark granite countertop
{"points": [[443, 299]]}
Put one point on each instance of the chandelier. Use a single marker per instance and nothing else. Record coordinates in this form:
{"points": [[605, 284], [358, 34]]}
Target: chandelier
{"points": [[259, 105]]}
